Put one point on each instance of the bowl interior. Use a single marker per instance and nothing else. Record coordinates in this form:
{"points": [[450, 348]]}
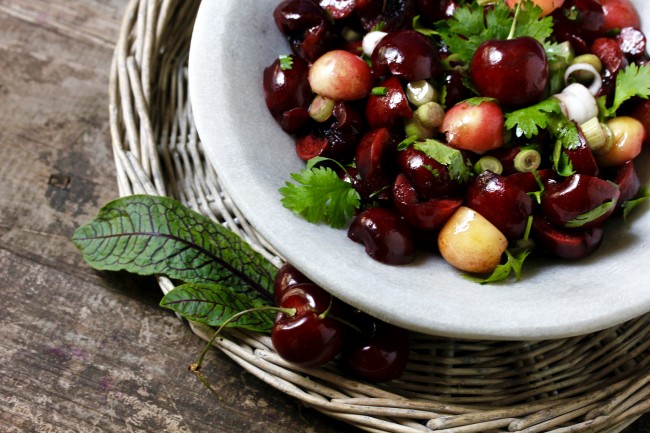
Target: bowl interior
{"points": [[234, 40]]}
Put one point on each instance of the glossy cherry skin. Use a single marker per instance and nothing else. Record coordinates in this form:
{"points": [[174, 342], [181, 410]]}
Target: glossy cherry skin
{"points": [[393, 15], [429, 177], [563, 243], [307, 338], [379, 352], [386, 237], [307, 27], [389, 110], [628, 182], [501, 201], [374, 156], [513, 71], [429, 214], [287, 277], [474, 127], [563, 202], [581, 157], [619, 14], [287, 94], [406, 54]]}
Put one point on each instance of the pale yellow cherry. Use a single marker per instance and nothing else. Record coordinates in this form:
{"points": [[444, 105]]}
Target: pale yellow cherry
{"points": [[470, 242]]}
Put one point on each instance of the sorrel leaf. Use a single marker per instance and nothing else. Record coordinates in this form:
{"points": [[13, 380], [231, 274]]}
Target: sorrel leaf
{"points": [[151, 235], [213, 305]]}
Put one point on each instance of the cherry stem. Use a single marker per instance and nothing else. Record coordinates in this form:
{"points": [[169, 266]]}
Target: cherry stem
{"points": [[511, 35], [196, 367]]}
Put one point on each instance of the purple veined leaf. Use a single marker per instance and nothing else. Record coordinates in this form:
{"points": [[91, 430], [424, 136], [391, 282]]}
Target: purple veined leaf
{"points": [[215, 305], [151, 235]]}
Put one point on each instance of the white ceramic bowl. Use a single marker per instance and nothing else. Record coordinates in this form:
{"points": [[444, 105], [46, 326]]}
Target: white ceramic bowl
{"points": [[234, 40]]}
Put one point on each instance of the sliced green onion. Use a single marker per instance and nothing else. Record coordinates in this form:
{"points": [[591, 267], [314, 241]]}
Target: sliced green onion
{"points": [[430, 115], [527, 160], [379, 91], [413, 127], [321, 108], [598, 136], [420, 92], [488, 163]]}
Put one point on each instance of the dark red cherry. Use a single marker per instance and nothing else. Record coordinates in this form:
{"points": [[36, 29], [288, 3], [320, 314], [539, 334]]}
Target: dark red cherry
{"points": [[389, 110], [501, 201], [374, 155], [392, 15], [387, 238], [565, 203], [338, 9], [308, 338], [628, 182], [579, 22], [429, 177], [287, 277], [406, 54], [581, 157], [563, 243], [287, 94], [610, 53], [436, 10], [430, 214], [379, 352], [307, 27], [513, 71]]}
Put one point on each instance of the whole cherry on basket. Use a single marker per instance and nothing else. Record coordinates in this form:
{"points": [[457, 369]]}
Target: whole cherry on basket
{"points": [[313, 328]]}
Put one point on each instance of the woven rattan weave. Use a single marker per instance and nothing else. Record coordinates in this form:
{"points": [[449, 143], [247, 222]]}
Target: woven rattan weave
{"points": [[593, 383]]}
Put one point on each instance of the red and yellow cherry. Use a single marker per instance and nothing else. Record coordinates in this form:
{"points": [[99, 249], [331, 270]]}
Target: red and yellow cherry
{"points": [[474, 127], [547, 6], [341, 76], [628, 135], [310, 337], [513, 71], [619, 14]]}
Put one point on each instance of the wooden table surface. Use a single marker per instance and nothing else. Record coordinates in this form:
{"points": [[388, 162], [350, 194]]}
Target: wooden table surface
{"points": [[83, 351]]}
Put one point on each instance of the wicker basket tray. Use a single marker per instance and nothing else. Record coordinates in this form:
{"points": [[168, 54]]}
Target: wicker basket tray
{"points": [[598, 382]]}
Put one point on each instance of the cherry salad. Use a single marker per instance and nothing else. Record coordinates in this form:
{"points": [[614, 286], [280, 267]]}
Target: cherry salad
{"points": [[481, 130]]}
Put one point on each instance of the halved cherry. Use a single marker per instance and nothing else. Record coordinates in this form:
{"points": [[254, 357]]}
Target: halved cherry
{"points": [[563, 243], [387, 238], [385, 111], [429, 214], [568, 203]]}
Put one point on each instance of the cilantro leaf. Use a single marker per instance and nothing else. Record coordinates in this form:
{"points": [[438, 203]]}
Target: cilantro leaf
{"points": [[471, 25], [513, 264], [321, 196], [642, 195], [286, 62], [528, 121], [630, 82], [453, 159], [591, 215]]}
